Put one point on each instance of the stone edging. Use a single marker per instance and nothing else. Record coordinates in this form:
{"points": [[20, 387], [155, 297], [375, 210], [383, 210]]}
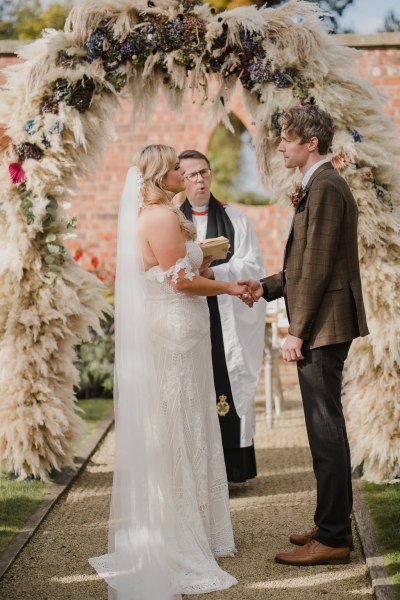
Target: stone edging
{"points": [[370, 40], [63, 482], [380, 581], [10, 47]]}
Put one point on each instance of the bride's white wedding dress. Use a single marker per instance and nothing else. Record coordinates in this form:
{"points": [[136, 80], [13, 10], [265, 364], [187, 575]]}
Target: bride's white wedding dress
{"points": [[193, 525], [180, 335]]}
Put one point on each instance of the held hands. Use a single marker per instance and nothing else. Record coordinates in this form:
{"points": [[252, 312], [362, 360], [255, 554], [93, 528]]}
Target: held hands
{"points": [[253, 293], [239, 289]]}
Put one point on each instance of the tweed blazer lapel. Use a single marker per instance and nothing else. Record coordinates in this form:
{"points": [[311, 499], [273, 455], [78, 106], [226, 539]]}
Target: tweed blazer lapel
{"points": [[320, 169], [323, 167]]}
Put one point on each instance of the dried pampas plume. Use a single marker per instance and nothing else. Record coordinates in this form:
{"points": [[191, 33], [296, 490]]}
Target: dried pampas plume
{"points": [[59, 105]]}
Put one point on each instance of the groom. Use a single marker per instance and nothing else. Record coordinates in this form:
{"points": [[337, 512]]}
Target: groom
{"points": [[321, 284]]}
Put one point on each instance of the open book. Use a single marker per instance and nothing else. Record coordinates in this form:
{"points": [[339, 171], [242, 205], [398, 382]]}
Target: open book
{"points": [[216, 247]]}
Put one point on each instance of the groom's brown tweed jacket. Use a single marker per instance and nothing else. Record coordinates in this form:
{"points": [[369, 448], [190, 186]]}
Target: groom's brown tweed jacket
{"points": [[320, 280]]}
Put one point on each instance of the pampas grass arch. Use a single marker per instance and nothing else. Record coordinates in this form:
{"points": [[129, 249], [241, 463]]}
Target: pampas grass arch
{"points": [[58, 105]]}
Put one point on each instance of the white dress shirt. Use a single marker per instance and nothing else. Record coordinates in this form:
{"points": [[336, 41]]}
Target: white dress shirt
{"points": [[200, 221], [312, 170]]}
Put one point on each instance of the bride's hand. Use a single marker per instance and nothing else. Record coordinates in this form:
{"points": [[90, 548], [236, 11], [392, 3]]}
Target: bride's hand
{"points": [[242, 291]]}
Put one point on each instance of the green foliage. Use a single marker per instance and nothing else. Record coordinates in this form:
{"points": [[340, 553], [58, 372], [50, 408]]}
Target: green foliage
{"points": [[20, 499], [383, 502], [94, 410], [26, 204], [223, 153], [25, 19], [250, 198], [392, 22], [96, 364]]}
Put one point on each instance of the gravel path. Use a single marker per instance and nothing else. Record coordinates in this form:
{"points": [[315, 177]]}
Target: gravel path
{"points": [[54, 566]]}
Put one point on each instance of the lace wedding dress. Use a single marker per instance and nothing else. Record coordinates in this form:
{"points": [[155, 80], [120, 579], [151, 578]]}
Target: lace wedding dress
{"points": [[180, 335], [190, 496]]}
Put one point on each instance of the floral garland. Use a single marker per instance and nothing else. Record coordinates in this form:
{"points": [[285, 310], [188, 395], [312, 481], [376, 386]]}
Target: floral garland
{"points": [[182, 39]]}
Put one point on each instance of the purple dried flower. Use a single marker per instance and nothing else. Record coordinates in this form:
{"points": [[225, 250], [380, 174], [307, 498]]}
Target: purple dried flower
{"points": [[357, 137], [251, 42], [95, 45], [284, 79]]}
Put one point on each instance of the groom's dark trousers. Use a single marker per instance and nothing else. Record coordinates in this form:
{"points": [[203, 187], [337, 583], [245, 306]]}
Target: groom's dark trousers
{"points": [[320, 378], [321, 284]]}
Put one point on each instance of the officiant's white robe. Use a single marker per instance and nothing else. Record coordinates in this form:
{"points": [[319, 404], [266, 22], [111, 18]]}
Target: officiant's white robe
{"points": [[242, 327]]}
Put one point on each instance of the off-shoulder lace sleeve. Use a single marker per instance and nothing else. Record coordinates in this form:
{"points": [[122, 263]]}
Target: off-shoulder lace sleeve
{"points": [[181, 263]]}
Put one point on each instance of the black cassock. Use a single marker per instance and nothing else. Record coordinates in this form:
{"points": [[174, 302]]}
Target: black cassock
{"points": [[240, 462]]}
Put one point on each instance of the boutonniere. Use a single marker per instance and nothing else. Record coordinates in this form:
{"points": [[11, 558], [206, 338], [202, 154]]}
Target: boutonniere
{"points": [[297, 196]]}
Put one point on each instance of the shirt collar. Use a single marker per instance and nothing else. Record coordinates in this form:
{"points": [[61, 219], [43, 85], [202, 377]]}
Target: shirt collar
{"points": [[311, 170], [199, 208]]}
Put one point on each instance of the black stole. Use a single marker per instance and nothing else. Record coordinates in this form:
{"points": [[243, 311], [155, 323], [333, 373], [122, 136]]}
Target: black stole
{"points": [[220, 224]]}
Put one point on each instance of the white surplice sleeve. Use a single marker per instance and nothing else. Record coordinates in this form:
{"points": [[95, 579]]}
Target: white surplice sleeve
{"points": [[247, 261]]}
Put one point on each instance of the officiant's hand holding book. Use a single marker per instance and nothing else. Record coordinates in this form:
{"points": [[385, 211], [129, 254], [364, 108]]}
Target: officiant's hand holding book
{"points": [[217, 248]]}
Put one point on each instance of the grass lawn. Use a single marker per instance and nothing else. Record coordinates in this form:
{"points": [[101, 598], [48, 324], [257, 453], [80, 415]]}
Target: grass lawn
{"points": [[20, 499], [383, 502], [95, 409]]}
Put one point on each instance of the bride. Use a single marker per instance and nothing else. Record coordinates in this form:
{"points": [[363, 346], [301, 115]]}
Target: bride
{"points": [[169, 510]]}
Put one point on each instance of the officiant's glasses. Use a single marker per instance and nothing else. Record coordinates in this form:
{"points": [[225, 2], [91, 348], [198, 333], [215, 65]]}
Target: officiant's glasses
{"points": [[204, 173]]}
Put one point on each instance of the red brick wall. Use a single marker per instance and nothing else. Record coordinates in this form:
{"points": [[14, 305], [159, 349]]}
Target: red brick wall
{"points": [[97, 200], [382, 67]]}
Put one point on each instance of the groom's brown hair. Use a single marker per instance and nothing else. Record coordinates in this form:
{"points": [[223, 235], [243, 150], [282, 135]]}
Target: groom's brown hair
{"points": [[308, 121]]}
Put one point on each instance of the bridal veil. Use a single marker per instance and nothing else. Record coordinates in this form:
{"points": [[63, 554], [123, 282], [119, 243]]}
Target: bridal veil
{"points": [[136, 566]]}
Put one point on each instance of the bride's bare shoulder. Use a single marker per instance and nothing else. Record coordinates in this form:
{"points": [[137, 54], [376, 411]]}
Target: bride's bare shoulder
{"points": [[156, 214]]}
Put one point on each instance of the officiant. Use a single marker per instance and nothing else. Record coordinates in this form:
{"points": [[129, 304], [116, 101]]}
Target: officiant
{"points": [[237, 333]]}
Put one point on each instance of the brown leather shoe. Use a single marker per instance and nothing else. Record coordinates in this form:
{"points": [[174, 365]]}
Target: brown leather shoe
{"points": [[300, 539], [314, 553]]}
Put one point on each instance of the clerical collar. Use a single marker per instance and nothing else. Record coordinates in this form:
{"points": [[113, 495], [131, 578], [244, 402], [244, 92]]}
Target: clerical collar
{"points": [[200, 211]]}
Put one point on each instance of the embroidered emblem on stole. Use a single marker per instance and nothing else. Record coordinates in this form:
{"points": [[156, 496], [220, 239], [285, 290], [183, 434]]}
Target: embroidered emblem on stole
{"points": [[222, 406]]}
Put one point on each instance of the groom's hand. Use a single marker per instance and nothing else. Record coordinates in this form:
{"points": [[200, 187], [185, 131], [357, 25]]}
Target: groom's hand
{"points": [[291, 349]]}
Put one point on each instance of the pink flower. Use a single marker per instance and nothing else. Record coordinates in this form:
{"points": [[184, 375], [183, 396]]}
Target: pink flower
{"points": [[95, 262], [17, 173], [296, 196], [78, 254]]}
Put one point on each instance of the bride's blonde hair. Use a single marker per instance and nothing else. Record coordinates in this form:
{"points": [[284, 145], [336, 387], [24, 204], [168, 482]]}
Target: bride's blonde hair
{"points": [[154, 162]]}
